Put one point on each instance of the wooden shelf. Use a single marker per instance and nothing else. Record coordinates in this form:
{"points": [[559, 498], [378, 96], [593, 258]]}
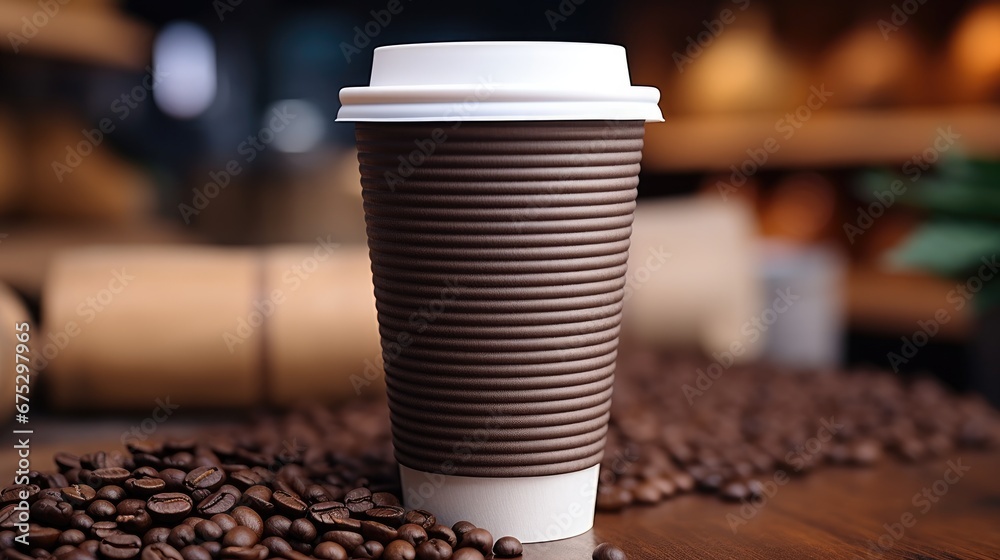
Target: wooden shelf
{"points": [[829, 138], [892, 303]]}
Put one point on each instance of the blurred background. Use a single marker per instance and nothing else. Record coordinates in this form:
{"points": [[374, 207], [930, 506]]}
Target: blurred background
{"points": [[180, 214]]}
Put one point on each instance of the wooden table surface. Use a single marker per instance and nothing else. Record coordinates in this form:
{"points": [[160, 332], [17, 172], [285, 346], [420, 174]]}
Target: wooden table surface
{"points": [[832, 513]]}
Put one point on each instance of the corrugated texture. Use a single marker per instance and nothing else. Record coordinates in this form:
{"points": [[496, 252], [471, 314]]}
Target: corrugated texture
{"points": [[499, 254]]}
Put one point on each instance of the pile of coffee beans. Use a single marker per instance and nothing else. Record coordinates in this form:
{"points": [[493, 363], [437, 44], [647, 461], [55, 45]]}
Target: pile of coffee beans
{"points": [[322, 483], [282, 488], [681, 424]]}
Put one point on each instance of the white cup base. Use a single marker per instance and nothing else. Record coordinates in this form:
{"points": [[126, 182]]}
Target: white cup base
{"points": [[532, 509]]}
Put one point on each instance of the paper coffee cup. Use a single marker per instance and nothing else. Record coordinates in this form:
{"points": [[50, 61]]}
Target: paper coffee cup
{"points": [[499, 182]]}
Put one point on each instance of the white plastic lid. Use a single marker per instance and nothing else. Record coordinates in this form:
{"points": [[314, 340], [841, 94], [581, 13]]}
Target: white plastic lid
{"points": [[499, 81]]}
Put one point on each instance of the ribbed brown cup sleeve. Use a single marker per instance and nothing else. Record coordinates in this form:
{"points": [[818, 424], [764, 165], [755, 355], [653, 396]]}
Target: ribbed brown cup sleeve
{"points": [[499, 255]]}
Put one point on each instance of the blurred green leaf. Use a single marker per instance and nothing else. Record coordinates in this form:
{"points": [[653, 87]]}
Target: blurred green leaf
{"points": [[948, 248]]}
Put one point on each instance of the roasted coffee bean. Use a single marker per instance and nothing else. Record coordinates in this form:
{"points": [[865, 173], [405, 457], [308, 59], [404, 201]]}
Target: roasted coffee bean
{"points": [[181, 536], [102, 510], [169, 506], [256, 552], [205, 478], [399, 550], [174, 479], [177, 444], [467, 554], [51, 512], [51, 494], [66, 461], [507, 547], [346, 524], [246, 517], [130, 506], [288, 504], [244, 479], [195, 552], [434, 549], [359, 500], [332, 551], [258, 498], [81, 521], [479, 539], [612, 498], [17, 555], [412, 533], [71, 536], [160, 551], [79, 495], [304, 549], [43, 537], [375, 531], [111, 475], [136, 523], [225, 521], [302, 530], [52, 481], [213, 547], [112, 493], [328, 513], [314, 494], [347, 539], [145, 487], [240, 536], [155, 535], [442, 532], [147, 460], [277, 546], [606, 551], [192, 521], [208, 531], [734, 490], [389, 515], [219, 502], [16, 493], [277, 526], [461, 528], [120, 546], [101, 529], [368, 550], [385, 499], [420, 517], [8, 516], [90, 547]]}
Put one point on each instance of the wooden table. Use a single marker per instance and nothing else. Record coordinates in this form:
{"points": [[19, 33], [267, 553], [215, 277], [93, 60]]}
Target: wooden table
{"points": [[833, 513]]}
